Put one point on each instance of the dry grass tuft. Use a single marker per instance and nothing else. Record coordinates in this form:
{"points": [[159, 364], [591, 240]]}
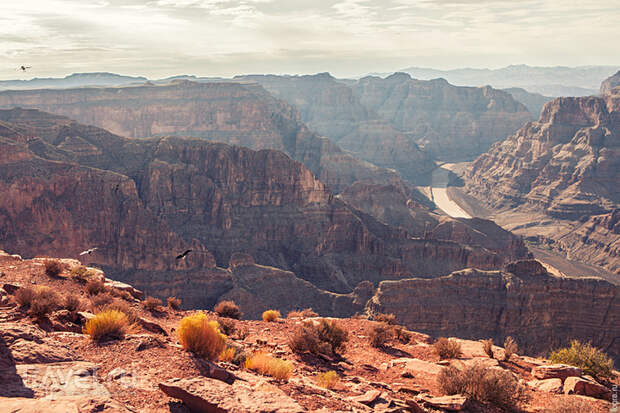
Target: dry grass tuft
{"points": [[73, 303], [174, 303], [94, 287], [567, 404], [53, 268], [227, 326], [587, 357], [45, 301], [228, 309], [271, 315], [328, 380], [305, 313], [447, 349], [151, 304], [381, 334], [486, 385], [510, 348], [268, 365], [106, 325], [487, 346], [201, 336], [228, 354], [24, 297]]}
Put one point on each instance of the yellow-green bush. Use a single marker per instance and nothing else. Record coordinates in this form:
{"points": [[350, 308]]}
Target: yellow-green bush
{"points": [[108, 324], [585, 356], [201, 336], [268, 365], [271, 315], [329, 379]]}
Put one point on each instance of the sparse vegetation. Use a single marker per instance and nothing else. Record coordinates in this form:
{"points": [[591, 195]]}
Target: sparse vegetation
{"points": [[124, 308], [227, 326], [510, 348], [567, 404], [486, 385], [24, 297], [242, 332], [588, 358], [447, 349], [305, 313], [325, 337], [73, 303], [487, 346], [53, 268], [271, 315], [80, 274], [174, 303], [385, 318], [45, 301], [328, 380], [268, 365], [401, 334], [106, 325], [94, 287], [100, 301], [228, 309], [381, 334], [228, 354], [201, 336], [151, 304]]}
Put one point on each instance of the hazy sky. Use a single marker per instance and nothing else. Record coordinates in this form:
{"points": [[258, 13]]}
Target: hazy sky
{"points": [[159, 38]]}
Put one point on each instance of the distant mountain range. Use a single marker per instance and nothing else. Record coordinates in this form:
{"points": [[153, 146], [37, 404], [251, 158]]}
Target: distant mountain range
{"points": [[548, 81], [74, 80]]}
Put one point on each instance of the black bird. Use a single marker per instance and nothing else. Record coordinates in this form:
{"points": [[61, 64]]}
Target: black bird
{"points": [[88, 251], [24, 68], [183, 255]]}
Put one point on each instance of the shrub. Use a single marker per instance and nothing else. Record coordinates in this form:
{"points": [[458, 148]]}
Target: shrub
{"points": [[381, 334], [124, 308], [385, 318], [567, 404], [53, 268], [24, 297], [510, 348], [100, 301], [401, 334], [325, 338], [486, 385], [227, 326], [73, 303], [487, 346], [174, 303], [201, 336], [80, 273], [228, 354], [271, 315], [45, 301], [228, 309], [447, 349], [94, 287], [267, 365], [242, 332], [305, 313], [151, 304], [108, 324], [585, 356], [328, 380]]}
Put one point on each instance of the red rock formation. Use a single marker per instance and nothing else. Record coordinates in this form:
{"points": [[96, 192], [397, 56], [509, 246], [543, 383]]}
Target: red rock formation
{"points": [[524, 301], [449, 122]]}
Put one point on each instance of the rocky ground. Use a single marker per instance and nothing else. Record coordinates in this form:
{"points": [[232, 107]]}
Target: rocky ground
{"points": [[49, 366]]}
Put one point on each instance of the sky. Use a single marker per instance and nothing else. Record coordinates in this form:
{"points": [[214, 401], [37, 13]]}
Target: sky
{"points": [[160, 38]]}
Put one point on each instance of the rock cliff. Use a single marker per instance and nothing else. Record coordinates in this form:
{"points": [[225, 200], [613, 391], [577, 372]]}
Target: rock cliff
{"points": [[449, 122], [522, 301], [142, 201], [238, 113]]}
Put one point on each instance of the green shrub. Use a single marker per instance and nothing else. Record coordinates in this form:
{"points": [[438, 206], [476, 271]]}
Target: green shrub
{"points": [[588, 358]]}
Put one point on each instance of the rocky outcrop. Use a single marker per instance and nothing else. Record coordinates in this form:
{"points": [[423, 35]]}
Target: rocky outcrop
{"points": [[540, 310], [238, 113], [450, 123], [143, 201], [610, 83], [332, 109]]}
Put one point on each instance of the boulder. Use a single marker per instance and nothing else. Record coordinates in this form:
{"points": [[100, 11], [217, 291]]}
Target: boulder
{"points": [[547, 385], [416, 366], [586, 386], [206, 395], [29, 344], [120, 286], [555, 371], [454, 403], [151, 326], [84, 404], [367, 398]]}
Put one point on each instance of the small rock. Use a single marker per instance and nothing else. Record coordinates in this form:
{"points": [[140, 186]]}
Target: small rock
{"points": [[11, 288], [367, 398], [118, 373], [547, 385], [587, 387], [555, 371], [455, 403], [151, 326]]}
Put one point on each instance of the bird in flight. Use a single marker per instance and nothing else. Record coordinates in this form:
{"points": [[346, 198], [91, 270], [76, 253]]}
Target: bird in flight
{"points": [[88, 251], [183, 254], [24, 68]]}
